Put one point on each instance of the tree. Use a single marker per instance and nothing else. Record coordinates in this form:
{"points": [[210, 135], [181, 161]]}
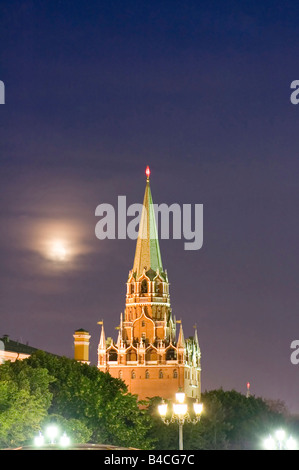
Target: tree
{"points": [[245, 420], [163, 437], [214, 424], [229, 420], [24, 402], [75, 429], [95, 398]]}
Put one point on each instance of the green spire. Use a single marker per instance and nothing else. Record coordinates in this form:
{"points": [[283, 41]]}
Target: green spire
{"points": [[147, 254]]}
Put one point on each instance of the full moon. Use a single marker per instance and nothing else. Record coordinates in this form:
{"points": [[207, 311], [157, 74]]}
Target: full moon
{"points": [[58, 251], [60, 244]]}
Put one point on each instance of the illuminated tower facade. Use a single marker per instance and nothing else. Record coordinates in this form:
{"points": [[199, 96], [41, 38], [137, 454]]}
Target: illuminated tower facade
{"points": [[150, 355], [81, 345]]}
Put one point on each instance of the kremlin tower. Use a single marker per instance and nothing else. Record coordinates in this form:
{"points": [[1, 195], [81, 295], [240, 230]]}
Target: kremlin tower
{"points": [[150, 355]]}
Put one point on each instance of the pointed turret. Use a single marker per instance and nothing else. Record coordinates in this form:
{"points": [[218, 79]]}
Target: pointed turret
{"points": [[118, 342], [181, 340], [196, 336], [102, 359], [102, 343], [147, 254]]}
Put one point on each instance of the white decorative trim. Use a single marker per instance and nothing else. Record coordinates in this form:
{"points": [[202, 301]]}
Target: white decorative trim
{"points": [[12, 356], [147, 365], [138, 304]]}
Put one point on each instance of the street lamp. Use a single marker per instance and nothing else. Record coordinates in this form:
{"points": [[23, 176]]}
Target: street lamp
{"points": [[52, 432], [64, 440], [180, 413], [279, 442], [39, 440]]}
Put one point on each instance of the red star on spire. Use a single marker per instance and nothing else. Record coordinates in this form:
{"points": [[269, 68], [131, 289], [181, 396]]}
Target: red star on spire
{"points": [[148, 172]]}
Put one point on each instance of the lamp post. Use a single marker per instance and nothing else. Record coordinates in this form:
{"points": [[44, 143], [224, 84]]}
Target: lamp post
{"points": [[53, 434], [279, 442], [180, 413]]}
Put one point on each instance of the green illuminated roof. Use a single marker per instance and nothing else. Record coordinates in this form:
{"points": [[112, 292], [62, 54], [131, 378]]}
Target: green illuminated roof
{"points": [[147, 254]]}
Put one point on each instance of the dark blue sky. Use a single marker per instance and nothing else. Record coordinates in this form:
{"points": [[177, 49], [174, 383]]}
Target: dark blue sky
{"points": [[200, 91]]}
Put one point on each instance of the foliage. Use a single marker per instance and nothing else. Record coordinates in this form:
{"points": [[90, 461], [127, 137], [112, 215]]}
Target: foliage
{"points": [[75, 429], [230, 420], [163, 437], [246, 420], [96, 399], [24, 401], [92, 406]]}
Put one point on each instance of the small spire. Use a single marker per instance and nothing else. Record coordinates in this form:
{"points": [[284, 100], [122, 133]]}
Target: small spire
{"points": [[196, 335], [181, 340], [102, 343], [118, 342]]}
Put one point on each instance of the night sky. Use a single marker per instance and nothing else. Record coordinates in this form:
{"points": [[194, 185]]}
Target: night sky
{"points": [[200, 92]]}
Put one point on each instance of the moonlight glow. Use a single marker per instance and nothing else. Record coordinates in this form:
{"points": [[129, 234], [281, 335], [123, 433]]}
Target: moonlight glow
{"points": [[60, 245], [58, 251]]}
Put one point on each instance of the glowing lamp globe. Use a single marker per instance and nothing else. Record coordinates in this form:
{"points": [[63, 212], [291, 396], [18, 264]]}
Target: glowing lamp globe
{"points": [[39, 440], [180, 409], [180, 397], [198, 407], [269, 443], [280, 434], [52, 432], [162, 409], [64, 440], [291, 444]]}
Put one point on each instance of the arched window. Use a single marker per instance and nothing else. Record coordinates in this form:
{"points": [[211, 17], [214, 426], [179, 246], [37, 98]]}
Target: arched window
{"points": [[120, 374], [175, 374], [132, 288], [144, 286], [151, 355], [159, 287], [112, 355], [160, 374], [133, 374], [131, 355], [171, 354], [159, 312], [147, 375]]}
